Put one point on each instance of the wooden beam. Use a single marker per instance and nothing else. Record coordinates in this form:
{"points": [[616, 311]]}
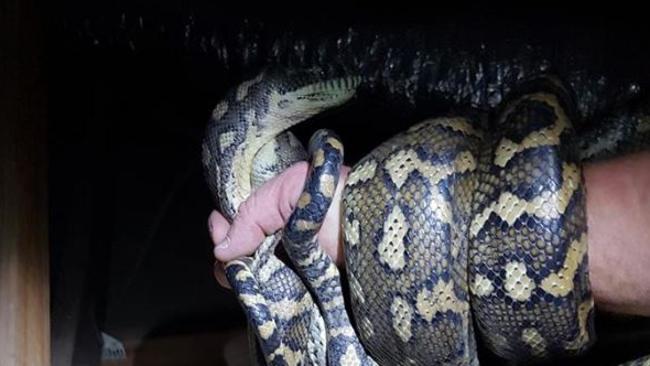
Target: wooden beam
{"points": [[24, 259]]}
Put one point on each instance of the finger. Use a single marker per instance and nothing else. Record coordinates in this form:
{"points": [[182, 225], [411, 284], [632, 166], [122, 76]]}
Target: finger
{"points": [[218, 226], [220, 275], [263, 213]]}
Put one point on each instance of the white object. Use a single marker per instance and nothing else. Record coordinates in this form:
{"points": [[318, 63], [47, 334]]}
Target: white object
{"points": [[112, 349]]}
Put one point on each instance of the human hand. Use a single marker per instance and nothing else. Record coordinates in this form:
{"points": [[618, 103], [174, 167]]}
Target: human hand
{"points": [[266, 211]]}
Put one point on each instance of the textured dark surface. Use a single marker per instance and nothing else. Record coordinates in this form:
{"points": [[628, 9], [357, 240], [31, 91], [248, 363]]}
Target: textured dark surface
{"points": [[441, 56], [133, 84]]}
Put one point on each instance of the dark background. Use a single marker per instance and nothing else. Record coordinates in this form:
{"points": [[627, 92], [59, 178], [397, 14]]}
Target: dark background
{"points": [[131, 87]]}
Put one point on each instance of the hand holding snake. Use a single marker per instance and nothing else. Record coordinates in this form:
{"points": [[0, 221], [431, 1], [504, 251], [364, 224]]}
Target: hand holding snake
{"points": [[441, 217], [624, 241]]}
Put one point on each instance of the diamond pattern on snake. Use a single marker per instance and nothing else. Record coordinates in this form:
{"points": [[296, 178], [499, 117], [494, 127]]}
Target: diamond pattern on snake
{"points": [[453, 234]]}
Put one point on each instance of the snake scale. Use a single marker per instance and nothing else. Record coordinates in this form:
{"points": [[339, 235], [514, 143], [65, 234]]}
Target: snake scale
{"points": [[453, 234]]}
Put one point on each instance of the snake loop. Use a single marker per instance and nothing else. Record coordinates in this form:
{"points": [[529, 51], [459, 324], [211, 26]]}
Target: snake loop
{"points": [[453, 235], [528, 247]]}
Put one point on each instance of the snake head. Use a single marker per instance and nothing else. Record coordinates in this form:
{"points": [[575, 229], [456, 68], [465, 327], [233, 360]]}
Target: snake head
{"points": [[296, 95]]}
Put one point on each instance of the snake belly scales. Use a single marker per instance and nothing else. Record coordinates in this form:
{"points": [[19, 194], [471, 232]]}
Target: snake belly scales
{"points": [[452, 234]]}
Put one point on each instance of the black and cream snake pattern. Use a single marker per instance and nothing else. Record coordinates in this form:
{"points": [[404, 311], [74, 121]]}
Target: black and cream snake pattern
{"points": [[453, 234]]}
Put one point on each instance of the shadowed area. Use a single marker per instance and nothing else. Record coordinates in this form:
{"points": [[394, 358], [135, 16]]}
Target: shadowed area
{"points": [[132, 86]]}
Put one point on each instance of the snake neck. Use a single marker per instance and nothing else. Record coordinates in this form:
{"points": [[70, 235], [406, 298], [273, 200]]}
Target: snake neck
{"points": [[244, 128]]}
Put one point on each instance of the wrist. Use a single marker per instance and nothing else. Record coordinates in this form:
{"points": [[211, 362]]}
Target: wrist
{"points": [[618, 217]]}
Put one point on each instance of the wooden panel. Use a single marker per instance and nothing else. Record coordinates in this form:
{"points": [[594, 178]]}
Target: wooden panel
{"points": [[24, 272]]}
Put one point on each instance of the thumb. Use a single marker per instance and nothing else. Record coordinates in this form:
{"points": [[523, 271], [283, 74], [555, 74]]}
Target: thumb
{"points": [[263, 213]]}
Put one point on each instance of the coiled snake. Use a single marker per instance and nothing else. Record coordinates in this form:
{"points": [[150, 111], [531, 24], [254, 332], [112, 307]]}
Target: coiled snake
{"points": [[447, 227]]}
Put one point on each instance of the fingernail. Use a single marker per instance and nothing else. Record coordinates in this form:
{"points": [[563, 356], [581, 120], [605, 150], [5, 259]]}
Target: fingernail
{"points": [[220, 275], [225, 243]]}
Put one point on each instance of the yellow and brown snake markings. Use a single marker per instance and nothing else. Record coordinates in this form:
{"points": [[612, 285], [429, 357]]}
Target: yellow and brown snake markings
{"points": [[450, 230], [350, 357], [535, 341], [362, 173], [391, 248], [544, 137], [220, 110], [517, 284], [402, 317], [560, 283]]}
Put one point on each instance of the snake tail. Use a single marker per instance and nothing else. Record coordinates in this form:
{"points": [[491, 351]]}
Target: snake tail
{"points": [[319, 271]]}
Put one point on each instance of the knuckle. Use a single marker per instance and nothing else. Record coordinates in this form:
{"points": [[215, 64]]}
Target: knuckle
{"points": [[246, 210]]}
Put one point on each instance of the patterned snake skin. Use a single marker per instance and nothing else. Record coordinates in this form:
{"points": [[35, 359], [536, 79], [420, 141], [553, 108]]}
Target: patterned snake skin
{"points": [[447, 228]]}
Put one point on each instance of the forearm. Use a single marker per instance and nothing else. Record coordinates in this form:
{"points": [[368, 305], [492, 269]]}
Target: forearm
{"points": [[618, 215]]}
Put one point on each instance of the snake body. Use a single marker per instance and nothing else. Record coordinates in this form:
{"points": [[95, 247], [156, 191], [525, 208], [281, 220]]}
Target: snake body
{"points": [[444, 224], [494, 222], [247, 132]]}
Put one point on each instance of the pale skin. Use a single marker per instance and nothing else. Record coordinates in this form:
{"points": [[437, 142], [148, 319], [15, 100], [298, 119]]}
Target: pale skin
{"points": [[618, 217]]}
